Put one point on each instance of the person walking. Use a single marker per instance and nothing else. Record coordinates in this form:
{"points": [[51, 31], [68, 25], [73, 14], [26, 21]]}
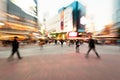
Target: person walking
{"points": [[61, 41], [77, 45], [91, 44], [41, 43], [15, 47], [55, 41]]}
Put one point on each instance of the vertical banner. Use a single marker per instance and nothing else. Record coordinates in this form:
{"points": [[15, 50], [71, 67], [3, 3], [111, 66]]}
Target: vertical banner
{"points": [[62, 25], [62, 21]]}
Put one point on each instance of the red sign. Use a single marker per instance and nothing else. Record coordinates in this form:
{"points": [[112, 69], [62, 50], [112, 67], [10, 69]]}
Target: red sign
{"points": [[62, 25]]}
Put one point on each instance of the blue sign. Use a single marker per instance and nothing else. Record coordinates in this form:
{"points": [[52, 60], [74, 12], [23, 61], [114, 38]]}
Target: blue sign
{"points": [[81, 30]]}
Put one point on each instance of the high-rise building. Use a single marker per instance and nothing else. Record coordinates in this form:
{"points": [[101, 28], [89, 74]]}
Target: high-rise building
{"points": [[75, 11], [68, 20], [18, 19], [116, 17]]}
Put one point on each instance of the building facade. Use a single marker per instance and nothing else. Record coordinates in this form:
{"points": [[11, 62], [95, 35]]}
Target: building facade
{"points": [[116, 18], [16, 21], [67, 20]]}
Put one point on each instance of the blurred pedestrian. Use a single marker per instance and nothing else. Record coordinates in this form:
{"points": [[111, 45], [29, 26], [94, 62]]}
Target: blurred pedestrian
{"points": [[118, 42], [71, 42], [61, 41], [77, 45], [55, 41], [91, 44], [41, 43], [15, 47]]}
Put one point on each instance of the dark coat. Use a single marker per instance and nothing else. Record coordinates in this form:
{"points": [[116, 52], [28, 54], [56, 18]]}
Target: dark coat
{"points": [[91, 43], [77, 43], [15, 44]]}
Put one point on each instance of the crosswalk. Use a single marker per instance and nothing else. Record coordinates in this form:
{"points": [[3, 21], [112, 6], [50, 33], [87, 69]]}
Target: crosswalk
{"points": [[57, 49]]}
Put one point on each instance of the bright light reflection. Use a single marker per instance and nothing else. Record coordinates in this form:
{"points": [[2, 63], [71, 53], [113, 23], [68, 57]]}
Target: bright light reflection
{"points": [[1, 24], [83, 20]]}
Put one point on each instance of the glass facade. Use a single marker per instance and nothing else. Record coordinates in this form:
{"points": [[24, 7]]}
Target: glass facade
{"points": [[13, 9], [15, 21], [116, 17]]}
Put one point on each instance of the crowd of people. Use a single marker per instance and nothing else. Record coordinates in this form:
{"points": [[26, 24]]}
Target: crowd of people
{"points": [[77, 43]]}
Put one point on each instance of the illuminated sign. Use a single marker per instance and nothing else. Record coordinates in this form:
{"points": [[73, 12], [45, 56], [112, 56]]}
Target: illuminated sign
{"points": [[72, 34]]}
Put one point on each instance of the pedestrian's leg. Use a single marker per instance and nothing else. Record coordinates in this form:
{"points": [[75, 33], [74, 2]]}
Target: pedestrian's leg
{"points": [[77, 49], [96, 53], [69, 44], [61, 45], [41, 46], [88, 52], [18, 54], [13, 52], [11, 56]]}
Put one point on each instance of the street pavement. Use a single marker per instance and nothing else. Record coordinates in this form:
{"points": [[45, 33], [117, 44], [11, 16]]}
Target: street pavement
{"points": [[54, 62]]}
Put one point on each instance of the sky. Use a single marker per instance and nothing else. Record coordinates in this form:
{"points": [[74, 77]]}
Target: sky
{"points": [[49, 8], [100, 11]]}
